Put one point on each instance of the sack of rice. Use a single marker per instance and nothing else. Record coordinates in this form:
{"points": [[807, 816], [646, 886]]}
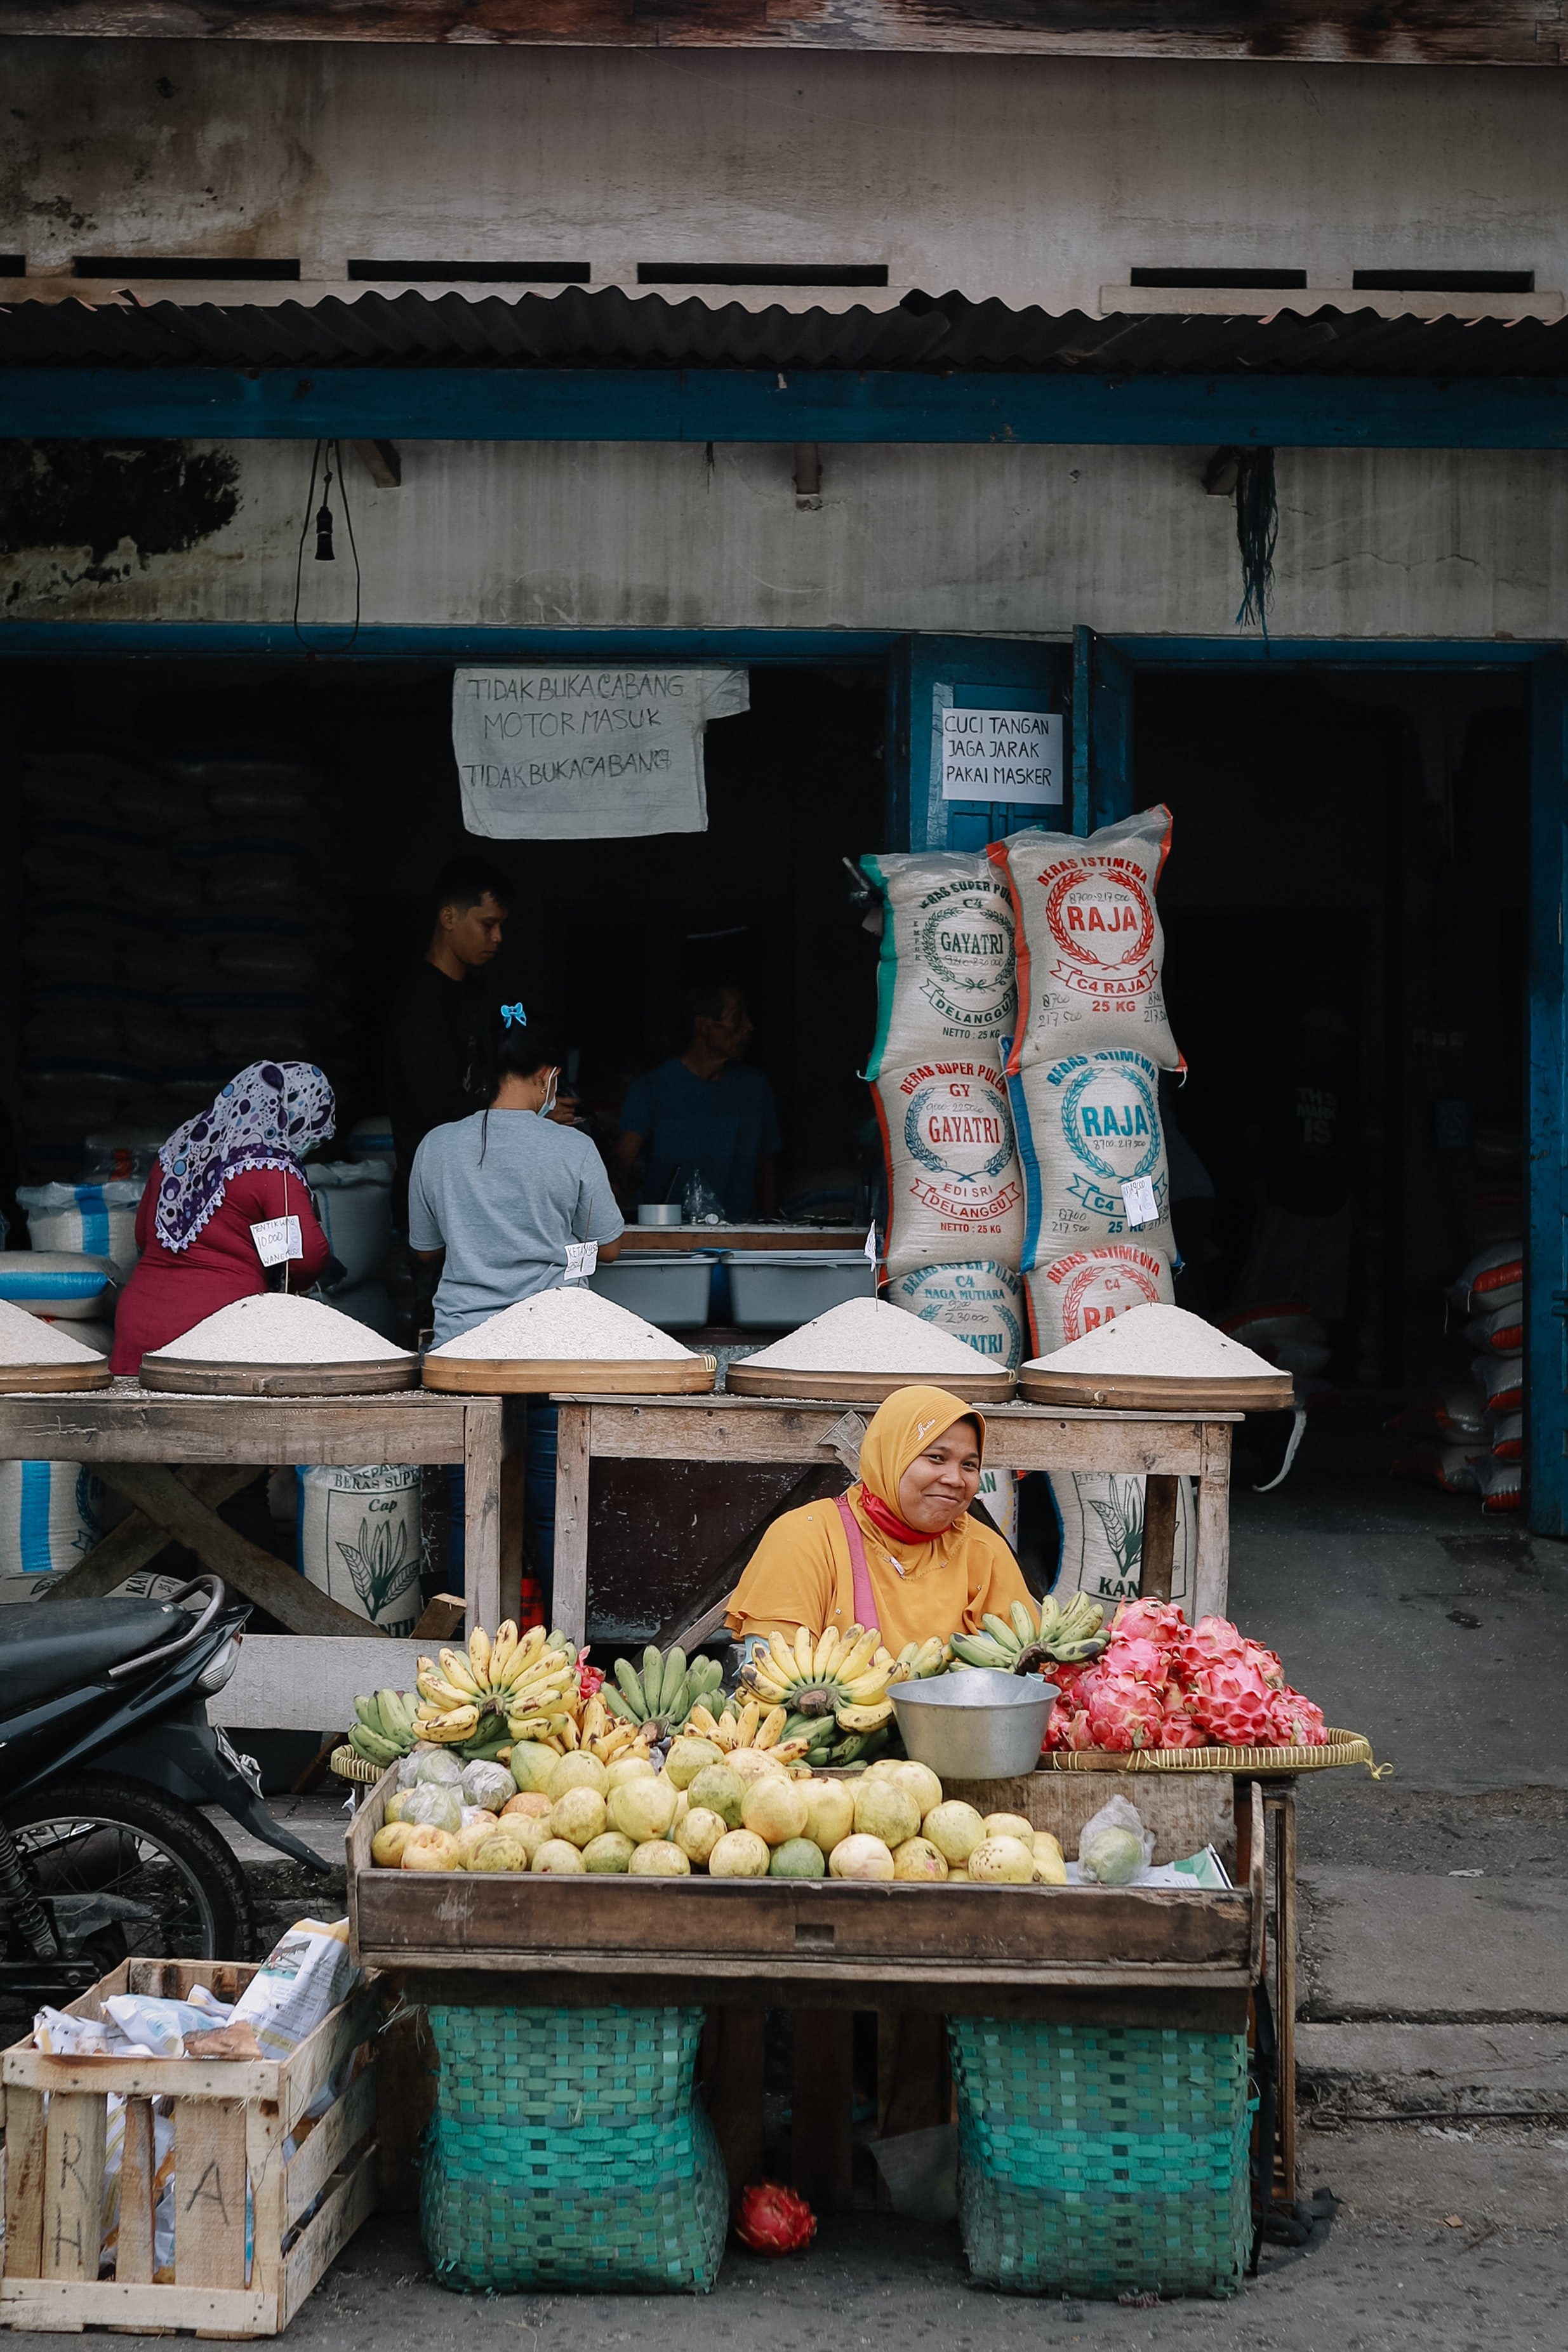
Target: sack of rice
{"points": [[955, 1187], [352, 1208], [1089, 946], [358, 1540], [50, 1515], [1501, 1485], [271, 959], [1495, 1278], [99, 1218], [1100, 1521], [1502, 1379], [1092, 1153], [72, 1021], [982, 1302], [1080, 1291], [70, 954], [945, 982], [1505, 1435], [1499, 1330], [58, 1283], [999, 1492]]}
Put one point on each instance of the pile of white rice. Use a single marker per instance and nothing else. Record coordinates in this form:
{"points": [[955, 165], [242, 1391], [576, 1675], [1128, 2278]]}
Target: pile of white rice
{"points": [[1157, 1342], [27, 1340], [865, 1335], [574, 1325], [279, 1329]]}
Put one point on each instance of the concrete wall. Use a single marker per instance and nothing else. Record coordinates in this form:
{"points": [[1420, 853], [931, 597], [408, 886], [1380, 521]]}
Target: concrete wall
{"points": [[1032, 180], [1385, 544]]}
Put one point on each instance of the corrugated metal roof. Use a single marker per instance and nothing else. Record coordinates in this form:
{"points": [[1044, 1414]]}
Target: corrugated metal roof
{"points": [[607, 328]]}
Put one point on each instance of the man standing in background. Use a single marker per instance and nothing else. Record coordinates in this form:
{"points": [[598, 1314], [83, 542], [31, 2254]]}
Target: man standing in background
{"points": [[704, 1111], [441, 1016]]}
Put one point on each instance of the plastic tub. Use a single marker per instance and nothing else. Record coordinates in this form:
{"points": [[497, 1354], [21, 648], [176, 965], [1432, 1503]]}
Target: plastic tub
{"points": [[778, 1289], [977, 1724], [667, 1288], [658, 1212]]}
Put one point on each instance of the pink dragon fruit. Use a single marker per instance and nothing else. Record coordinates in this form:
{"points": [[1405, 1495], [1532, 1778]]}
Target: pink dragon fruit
{"points": [[1178, 1728], [1149, 1621], [1302, 1721], [1233, 1703], [1141, 1660], [1123, 1713]]}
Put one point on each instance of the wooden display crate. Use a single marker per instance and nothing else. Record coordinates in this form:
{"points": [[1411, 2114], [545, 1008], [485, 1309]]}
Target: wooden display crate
{"points": [[231, 2117]]}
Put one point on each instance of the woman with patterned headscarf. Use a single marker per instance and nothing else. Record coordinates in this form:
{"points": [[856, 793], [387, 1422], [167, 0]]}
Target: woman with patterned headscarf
{"points": [[235, 1166]]}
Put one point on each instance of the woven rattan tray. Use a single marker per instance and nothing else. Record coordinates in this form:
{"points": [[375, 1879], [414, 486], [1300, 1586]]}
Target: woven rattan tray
{"points": [[53, 1379], [864, 1388], [1137, 1393], [348, 1766], [551, 1375], [186, 1376], [1261, 1763]]}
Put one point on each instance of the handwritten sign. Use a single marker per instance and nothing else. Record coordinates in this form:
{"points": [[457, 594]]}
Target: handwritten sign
{"points": [[590, 754], [1002, 755]]}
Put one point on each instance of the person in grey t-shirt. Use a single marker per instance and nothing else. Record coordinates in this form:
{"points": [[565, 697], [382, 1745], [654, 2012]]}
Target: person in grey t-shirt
{"points": [[496, 1197]]}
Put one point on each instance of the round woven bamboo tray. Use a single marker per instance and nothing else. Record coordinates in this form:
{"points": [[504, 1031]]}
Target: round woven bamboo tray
{"points": [[864, 1388], [544, 1375], [350, 1766], [1128, 1393], [1262, 1763], [54, 1379], [187, 1376]]}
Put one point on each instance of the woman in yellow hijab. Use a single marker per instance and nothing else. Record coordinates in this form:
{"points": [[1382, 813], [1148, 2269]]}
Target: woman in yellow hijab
{"points": [[899, 1550]]}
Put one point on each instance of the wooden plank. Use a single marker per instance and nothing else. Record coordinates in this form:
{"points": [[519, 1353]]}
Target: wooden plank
{"points": [[1145, 1999], [732, 2080], [137, 1425], [73, 2184], [138, 2166], [512, 1494], [1159, 1555], [331, 2141], [440, 1618], [705, 1615], [142, 2078], [1283, 1806], [53, 2306], [209, 2192], [820, 2098], [1211, 1581], [280, 1591], [282, 1684], [481, 1537], [137, 1541], [912, 2061], [25, 2159], [264, 2137], [315, 2251], [312, 2066], [574, 1434], [405, 2096]]}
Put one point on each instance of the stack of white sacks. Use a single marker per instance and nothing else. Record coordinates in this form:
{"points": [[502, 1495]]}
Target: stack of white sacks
{"points": [[1021, 1031], [1489, 1294]]}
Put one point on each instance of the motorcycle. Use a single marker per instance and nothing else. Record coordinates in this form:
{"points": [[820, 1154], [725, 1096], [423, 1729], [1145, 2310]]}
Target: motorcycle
{"points": [[107, 1758]]}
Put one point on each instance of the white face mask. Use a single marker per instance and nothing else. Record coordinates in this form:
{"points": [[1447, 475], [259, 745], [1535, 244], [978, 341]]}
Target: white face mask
{"points": [[547, 1105]]}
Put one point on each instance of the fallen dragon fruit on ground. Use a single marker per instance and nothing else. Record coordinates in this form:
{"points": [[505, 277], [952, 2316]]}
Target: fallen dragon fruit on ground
{"points": [[1161, 1683]]}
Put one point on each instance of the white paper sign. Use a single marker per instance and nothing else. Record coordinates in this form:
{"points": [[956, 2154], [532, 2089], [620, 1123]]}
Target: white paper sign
{"points": [[1002, 755], [586, 754], [276, 1240], [581, 1258], [1138, 1200]]}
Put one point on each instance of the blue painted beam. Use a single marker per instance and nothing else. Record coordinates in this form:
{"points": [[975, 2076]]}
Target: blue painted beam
{"points": [[743, 405]]}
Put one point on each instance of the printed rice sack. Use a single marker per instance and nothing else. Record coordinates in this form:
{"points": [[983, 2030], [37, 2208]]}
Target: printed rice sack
{"points": [[1084, 1288], [98, 1220], [358, 1540], [1502, 1379], [1502, 1330], [982, 1302], [1494, 1279], [954, 1190], [946, 982], [1089, 1142], [1089, 947], [52, 1512], [999, 1492], [1100, 1521]]}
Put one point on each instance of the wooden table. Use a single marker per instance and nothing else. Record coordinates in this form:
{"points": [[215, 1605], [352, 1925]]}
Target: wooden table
{"points": [[132, 1439], [764, 1429]]}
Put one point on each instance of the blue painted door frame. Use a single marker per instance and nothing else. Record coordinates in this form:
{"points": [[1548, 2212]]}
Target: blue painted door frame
{"points": [[1546, 1159]]}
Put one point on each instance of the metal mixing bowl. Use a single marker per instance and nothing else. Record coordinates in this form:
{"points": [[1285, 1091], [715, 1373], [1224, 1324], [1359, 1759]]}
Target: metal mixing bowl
{"points": [[977, 1725]]}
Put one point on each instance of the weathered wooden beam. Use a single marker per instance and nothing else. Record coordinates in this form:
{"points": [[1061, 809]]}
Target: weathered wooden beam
{"points": [[288, 1597], [138, 1540]]}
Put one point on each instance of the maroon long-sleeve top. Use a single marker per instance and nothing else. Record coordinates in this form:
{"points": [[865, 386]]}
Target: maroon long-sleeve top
{"points": [[173, 1290]]}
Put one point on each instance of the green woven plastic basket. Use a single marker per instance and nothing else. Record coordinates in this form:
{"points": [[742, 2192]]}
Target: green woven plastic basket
{"points": [[568, 2150], [1102, 2160]]}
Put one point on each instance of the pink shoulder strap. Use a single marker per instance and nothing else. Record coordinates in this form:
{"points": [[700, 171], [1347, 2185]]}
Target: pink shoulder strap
{"points": [[865, 1600]]}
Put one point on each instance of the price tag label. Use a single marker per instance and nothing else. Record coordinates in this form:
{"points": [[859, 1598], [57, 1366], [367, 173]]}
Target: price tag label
{"points": [[872, 1243], [1137, 1198], [276, 1240], [581, 1258]]}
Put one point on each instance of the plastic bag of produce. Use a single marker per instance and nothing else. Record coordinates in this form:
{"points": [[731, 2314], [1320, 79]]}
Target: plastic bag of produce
{"points": [[945, 982], [1089, 946], [955, 1187], [1114, 1845]]}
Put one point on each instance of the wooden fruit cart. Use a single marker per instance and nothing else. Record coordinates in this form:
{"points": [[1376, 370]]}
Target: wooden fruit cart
{"points": [[825, 1948]]}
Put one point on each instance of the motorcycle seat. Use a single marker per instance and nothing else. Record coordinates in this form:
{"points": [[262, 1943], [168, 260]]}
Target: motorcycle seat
{"points": [[66, 1644]]}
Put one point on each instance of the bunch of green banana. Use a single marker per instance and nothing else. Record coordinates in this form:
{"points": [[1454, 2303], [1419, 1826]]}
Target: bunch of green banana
{"points": [[659, 1699], [384, 1730], [1022, 1642], [924, 1659]]}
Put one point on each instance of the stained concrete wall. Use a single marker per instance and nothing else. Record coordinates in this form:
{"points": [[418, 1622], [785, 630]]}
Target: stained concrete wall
{"points": [[1034, 180], [1386, 544]]}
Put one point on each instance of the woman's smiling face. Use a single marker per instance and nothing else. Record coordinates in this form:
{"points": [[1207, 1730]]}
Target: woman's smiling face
{"points": [[941, 1481]]}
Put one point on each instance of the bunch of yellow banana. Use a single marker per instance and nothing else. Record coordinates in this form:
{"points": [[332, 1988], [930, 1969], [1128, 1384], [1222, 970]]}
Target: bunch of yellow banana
{"points": [[747, 1726], [508, 1686], [842, 1676], [599, 1734]]}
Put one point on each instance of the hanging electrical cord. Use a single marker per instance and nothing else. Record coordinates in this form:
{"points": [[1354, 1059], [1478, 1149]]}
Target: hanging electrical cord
{"points": [[324, 451], [1257, 533]]}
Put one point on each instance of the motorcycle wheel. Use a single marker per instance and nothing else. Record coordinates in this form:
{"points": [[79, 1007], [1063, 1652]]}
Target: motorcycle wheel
{"points": [[102, 1835]]}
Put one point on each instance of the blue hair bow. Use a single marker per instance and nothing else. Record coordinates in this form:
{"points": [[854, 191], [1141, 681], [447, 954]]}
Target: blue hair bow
{"points": [[512, 1013]]}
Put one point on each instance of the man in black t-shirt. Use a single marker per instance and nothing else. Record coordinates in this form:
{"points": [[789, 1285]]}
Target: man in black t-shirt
{"points": [[441, 1016]]}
